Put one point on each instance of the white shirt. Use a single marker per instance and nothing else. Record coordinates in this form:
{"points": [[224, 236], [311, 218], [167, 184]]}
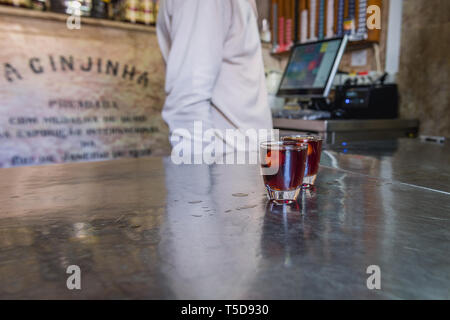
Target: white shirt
{"points": [[215, 71]]}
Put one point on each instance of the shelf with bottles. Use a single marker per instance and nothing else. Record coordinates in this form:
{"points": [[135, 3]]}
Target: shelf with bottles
{"points": [[301, 21], [351, 45], [143, 12]]}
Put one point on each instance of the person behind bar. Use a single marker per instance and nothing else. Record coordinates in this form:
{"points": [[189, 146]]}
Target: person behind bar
{"points": [[214, 67]]}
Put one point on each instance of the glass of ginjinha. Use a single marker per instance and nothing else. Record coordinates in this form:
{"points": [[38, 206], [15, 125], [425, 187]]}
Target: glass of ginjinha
{"points": [[283, 167], [313, 157]]}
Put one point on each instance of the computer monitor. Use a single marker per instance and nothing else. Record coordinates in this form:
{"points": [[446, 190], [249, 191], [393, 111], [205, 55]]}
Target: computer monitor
{"points": [[311, 68]]}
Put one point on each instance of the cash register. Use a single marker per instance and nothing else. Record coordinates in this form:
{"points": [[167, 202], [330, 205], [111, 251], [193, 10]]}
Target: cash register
{"points": [[309, 76], [357, 112]]}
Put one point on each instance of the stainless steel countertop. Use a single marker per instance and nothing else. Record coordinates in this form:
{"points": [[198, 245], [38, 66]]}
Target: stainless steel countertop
{"points": [[145, 228], [345, 125], [408, 161]]}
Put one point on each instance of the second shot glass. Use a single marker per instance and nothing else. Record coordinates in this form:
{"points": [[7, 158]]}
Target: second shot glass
{"points": [[313, 156]]}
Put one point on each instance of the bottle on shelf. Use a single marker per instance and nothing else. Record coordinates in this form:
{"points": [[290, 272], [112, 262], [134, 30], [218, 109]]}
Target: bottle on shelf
{"points": [[147, 12], [131, 11], [110, 9], [102, 9], [81, 7], [265, 31], [136, 11], [17, 3], [40, 5], [156, 9]]}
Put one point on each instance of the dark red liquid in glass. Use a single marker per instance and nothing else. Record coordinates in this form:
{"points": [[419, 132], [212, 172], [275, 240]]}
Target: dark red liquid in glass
{"points": [[314, 152], [291, 162]]}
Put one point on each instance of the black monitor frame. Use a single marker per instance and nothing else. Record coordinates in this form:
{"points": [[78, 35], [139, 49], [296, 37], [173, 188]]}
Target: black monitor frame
{"points": [[314, 92]]}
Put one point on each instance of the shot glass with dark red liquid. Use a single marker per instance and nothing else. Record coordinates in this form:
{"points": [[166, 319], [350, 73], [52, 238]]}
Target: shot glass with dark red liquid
{"points": [[313, 157], [283, 167]]}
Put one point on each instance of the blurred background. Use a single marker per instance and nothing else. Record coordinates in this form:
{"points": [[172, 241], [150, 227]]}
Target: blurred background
{"points": [[84, 80]]}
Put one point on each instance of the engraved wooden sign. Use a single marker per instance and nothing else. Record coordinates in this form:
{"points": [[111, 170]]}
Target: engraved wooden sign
{"points": [[78, 95]]}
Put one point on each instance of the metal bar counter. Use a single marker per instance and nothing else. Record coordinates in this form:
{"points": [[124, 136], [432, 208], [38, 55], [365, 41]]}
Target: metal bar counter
{"points": [[337, 131], [146, 228]]}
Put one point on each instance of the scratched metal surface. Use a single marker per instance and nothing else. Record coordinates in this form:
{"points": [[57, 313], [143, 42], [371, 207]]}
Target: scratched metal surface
{"points": [[423, 164], [146, 228]]}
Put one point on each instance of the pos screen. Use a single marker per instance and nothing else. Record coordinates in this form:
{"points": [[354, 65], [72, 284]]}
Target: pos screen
{"points": [[311, 68]]}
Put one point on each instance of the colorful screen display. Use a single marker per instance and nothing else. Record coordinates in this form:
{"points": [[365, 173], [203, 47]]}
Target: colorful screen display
{"points": [[310, 65]]}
